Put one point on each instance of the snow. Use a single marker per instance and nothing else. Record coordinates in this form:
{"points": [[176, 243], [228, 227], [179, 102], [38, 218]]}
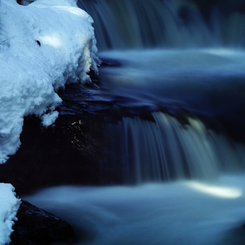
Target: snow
{"points": [[9, 206], [43, 46]]}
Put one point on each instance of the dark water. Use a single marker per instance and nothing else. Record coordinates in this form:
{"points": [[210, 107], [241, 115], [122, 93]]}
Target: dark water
{"points": [[171, 94]]}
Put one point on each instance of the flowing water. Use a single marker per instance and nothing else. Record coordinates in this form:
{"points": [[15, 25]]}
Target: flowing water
{"points": [[189, 212], [174, 72], [166, 23]]}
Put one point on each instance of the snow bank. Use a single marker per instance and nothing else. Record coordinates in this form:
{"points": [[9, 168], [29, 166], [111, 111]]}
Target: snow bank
{"points": [[9, 206], [42, 46]]}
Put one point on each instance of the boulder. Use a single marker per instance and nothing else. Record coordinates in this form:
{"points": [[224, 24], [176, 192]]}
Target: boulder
{"points": [[38, 227]]}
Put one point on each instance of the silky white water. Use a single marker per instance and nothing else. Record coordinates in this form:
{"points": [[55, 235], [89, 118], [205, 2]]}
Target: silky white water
{"points": [[207, 81], [133, 24], [187, 212], [166, 150]]}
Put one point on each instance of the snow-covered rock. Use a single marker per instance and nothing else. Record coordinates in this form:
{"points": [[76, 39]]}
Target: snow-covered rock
{"points": [[9, 206], [43, 46]]}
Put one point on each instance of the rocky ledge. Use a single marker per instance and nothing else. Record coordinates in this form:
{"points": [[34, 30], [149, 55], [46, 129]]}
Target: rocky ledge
{"points": [[38, 227]]}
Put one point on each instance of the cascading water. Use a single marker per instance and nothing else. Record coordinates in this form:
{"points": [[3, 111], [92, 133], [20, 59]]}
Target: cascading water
{"points": [[163, 23], [165, 149], [173, 71]]}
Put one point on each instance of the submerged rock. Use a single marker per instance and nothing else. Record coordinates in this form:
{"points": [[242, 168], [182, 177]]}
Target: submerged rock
{"points": [[38, 227]]}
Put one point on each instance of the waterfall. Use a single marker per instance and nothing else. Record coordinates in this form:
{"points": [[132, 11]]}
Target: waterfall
{"points": [[163, 23], [177, 55], [164, 150]]}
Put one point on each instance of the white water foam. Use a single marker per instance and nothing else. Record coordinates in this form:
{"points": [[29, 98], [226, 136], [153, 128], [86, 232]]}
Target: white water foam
{"points": [[189, 212]]}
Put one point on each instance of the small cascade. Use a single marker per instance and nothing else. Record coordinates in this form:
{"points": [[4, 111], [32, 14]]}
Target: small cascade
{"points": [[165, 149], [130, 24]]}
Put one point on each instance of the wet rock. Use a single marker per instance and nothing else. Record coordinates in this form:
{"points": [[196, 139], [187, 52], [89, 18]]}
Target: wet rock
{"points": [[67, 153], [25, 2], [71, 152], [38, 227]]}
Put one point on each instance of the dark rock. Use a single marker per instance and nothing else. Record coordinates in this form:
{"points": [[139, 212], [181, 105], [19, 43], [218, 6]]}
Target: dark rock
{"points": [[38, 227], [38, 42], [25, 2], [64, 154], [71, 152], [105, 62]]}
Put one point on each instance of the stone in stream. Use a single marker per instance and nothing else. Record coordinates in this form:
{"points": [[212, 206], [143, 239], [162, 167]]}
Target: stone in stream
{"points": [[38, 227]]}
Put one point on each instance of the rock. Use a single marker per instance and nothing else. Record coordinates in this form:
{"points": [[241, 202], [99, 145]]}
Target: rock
{"points": [[70, 152], [25, 2], [38, 227]]}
